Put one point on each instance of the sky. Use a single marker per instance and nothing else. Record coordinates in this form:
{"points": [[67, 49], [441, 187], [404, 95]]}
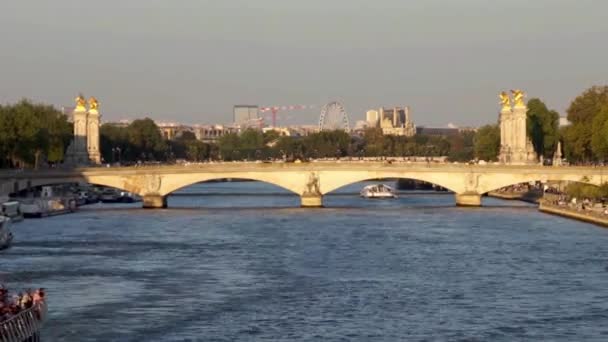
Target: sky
{"points": [[190, 61]]}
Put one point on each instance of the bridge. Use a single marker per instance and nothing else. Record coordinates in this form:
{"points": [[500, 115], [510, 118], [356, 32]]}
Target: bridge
{"points": [[310, 181]]}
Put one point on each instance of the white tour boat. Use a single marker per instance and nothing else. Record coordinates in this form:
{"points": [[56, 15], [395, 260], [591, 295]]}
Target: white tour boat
{"points": [[11, 209], [5, 233], [378, 191]]}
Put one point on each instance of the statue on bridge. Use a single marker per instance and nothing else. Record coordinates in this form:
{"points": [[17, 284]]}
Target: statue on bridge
{"points": [[93, 103], [518, 98], [312, 186], [80, 103], [505, 101]]}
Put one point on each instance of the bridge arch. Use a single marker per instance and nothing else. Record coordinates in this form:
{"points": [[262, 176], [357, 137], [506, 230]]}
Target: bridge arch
{"points": [[501, 182], [172, 184], [331, 182]]}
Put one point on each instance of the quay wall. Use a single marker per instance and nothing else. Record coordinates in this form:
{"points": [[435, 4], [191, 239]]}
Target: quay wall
{"points": [[573, 214], [530, 196]]}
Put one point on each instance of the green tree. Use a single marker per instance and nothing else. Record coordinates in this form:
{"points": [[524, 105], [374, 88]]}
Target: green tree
{"points": [[542, 126], [114, 144], [228, 146], [487, 142], [30, 132], [581, 113], [599, 135], [146, 140]]}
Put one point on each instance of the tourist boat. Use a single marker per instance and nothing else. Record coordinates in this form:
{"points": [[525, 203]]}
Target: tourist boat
{"points": [[378, 191], [6, 237], [109, 195], [42, 207], [12, 210]]}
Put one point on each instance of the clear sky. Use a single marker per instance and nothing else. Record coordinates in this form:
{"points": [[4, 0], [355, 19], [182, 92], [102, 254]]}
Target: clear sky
{"points": [[192, 60]]}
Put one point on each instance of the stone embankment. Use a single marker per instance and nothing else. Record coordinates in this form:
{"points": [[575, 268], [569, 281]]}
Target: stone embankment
{"points": [[532, 196], [589, 216], [550, 205]]}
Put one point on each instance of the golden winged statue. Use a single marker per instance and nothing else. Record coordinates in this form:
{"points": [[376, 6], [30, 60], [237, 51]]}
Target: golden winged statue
{"points": [[93, 103], [518, 98], [80, 103], [505, 101]]}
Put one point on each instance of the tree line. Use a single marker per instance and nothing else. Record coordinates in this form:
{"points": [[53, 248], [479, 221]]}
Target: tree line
{"points": [[31, 133]]}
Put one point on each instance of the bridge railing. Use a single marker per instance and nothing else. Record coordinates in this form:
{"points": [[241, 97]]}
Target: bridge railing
{"points": [[24, 326]]}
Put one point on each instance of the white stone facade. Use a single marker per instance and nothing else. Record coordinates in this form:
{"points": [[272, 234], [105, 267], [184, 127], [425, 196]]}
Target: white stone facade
{"points": [[392, 121], [515, 146], [84, 149]]}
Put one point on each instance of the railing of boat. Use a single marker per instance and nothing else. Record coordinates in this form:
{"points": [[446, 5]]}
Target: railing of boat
{"points": [[25, 326]]}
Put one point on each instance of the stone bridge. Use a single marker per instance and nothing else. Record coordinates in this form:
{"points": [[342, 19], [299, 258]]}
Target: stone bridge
{"points": [[308, 180]]}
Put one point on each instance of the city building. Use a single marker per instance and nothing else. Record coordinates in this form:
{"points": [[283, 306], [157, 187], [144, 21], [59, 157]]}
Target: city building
{"points": [[246, 115], [172, 130], [392, 121], [212, 133]]}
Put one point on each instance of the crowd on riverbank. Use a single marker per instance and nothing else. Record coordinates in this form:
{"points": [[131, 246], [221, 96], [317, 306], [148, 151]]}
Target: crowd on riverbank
{"points": [[12, 305]]}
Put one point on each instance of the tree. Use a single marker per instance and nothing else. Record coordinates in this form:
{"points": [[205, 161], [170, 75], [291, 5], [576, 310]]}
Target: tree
{"points": [[146, 140], [542, 126], [30, 131], [582, 113], [114, 143], [599, 135], [228, 146], [588, 104], [487, 142]]}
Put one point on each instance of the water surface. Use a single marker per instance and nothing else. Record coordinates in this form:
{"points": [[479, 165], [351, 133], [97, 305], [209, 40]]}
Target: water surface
{"points": [[243, 268]]}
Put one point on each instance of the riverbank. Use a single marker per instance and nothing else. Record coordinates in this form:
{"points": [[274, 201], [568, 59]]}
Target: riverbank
{"points": [[580, 215], [528, 196]]}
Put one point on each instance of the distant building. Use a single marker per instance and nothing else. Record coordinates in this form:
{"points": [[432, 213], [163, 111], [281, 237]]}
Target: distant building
{"points": [[212, 133], [392, 121], [563, 121], [171, 130], [245, 114], [372, 117], [433, 131]]}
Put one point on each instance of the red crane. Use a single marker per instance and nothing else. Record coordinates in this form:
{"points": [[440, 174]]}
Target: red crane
{"points": [[275, 109]]}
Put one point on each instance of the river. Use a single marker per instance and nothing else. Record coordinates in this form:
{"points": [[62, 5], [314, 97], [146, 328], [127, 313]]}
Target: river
{"points": [[243, 263]]}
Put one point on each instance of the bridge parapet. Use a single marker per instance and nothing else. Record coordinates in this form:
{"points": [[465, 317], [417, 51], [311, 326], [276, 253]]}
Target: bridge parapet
{"points": [[310, 181]]}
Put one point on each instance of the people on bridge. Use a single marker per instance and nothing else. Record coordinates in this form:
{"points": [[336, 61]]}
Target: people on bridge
{"points": [[12, 305]]}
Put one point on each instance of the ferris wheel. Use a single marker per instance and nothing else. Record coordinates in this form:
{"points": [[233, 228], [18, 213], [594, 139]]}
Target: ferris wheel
{"points": [[333, 116]]}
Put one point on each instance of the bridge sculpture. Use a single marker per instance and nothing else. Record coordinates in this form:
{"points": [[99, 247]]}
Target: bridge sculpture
{"points": [[310, 181]]}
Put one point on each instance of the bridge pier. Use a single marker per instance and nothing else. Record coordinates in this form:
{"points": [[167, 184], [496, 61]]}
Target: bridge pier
{"points": [[154, 201], [311, 201], [468, 199]]}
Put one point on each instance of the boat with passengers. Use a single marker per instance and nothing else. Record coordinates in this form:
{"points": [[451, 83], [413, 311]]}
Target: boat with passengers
{"points": [[378, 191]]}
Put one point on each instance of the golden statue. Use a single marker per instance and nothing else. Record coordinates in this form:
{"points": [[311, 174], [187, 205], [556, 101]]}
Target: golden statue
{"points": [[518, 98], [93, 103], [80, 103], [505, 101]]}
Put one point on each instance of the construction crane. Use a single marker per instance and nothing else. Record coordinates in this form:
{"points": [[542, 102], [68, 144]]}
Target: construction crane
{"points": [[275, 109]]}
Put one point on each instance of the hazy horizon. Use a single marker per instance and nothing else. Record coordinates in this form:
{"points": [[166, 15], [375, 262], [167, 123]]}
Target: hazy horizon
{"points": [[191, 61]]}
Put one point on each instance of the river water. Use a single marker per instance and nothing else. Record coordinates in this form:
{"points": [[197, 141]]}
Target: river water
{"points": [[252, 266]]}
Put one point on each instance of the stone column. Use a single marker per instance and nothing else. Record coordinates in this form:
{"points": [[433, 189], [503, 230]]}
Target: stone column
{"points": [[79, 150], [93, 137], [154, 201], [505, 134], [468, 199]]}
